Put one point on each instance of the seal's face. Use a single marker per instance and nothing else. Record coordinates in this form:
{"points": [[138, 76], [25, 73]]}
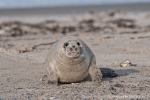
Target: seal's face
{"points": [[72, 48]]}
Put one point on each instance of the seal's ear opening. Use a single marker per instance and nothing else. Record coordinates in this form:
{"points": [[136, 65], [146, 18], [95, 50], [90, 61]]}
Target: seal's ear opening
{"points": [[66, 44]]}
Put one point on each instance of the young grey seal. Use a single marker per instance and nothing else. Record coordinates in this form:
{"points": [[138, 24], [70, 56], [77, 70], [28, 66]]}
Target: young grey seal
{"points": [[70, 60]]}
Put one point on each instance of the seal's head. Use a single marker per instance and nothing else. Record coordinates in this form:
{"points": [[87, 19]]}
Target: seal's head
{"points": [[72, 48]]}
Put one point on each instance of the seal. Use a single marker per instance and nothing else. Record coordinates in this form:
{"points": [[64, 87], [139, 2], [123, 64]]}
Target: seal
{"points": [[70, 60]]}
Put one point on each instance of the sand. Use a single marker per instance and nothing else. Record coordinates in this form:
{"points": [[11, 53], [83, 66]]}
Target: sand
{"points": [[113, 37]]}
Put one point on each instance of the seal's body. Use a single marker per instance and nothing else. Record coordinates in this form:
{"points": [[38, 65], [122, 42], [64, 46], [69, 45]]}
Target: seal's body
{"points": [[71, 60]]}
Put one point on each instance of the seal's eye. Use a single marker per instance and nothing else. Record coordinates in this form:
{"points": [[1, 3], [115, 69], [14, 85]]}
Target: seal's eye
{"points": [[66, 44], [78, 43]]}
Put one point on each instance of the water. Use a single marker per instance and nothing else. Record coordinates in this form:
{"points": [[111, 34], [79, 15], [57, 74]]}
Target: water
{"points": [[55, 3]]}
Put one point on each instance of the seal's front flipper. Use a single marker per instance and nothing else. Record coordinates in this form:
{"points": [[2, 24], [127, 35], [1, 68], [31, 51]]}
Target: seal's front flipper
{"points": [[53, 78], [108, 72], [95, 74]]}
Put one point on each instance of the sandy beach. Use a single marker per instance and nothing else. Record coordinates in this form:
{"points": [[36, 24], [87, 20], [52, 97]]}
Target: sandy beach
{"points": [[114, 35]]}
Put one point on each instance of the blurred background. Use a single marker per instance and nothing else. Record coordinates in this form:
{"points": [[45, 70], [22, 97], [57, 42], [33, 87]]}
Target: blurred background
{"points": [[61, 7], [56, 3]]}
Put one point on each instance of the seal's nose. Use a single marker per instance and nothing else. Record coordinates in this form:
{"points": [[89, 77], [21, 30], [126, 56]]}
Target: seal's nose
{"points": [[73, 46]]}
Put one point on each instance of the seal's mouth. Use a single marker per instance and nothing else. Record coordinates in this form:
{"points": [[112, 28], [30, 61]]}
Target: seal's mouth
{"points": [[73, 54]]}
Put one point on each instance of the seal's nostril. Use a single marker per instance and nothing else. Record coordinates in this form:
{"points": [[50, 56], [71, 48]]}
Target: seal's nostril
{"points": [[70, 49], [73, 46], [76, 49]]}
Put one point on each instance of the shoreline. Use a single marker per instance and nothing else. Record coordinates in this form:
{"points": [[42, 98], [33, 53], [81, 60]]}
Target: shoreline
{"points": [[73, 10]]}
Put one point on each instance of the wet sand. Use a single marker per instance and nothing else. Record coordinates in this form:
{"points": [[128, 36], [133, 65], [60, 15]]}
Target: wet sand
{"points": [[113, 36]]}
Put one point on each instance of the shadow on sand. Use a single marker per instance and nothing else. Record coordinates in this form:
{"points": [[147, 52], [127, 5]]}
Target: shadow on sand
{"points": [[125, 72], [109, 74]]}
